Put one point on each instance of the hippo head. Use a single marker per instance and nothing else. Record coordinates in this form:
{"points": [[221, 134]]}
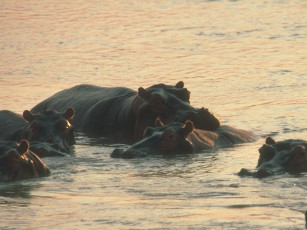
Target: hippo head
{"points": [[17, 162], [279, 157], [171, 104], [51, 127], [163, 139]]}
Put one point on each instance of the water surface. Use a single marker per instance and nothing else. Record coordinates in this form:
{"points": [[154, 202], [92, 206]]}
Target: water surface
{"points": [[244, 60]]}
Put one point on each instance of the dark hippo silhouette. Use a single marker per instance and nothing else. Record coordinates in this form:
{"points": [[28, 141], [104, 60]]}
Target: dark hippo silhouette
{"points": [[178, 138], [49, 132], [17, 162], [124, 113], [279, 157]]}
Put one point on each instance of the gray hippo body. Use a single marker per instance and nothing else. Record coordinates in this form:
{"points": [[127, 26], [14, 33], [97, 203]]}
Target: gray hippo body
{"points": [[11, 125], [121, 112], [49, 132], [17, 162], [176, 138], [279, 157]]}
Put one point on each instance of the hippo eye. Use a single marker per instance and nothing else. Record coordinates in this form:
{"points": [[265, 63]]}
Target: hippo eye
{"points": [[13, 155], [35, 129], [267, 153], [148, 131], [169, 135]]}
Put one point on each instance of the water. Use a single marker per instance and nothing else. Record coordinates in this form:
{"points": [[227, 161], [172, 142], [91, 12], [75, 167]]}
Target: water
{"points": [[245, 60]]}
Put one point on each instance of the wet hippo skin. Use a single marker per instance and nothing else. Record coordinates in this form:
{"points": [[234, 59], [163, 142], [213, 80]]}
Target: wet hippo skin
{"points": [[277, 157], [17, 162], [49, 132], [178, 138], [120, 112]]}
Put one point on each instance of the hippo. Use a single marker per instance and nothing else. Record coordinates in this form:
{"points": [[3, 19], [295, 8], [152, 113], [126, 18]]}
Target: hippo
{"points": [[278, 157], [17, 162], [178, 138], [123, 113], [50, 132]]}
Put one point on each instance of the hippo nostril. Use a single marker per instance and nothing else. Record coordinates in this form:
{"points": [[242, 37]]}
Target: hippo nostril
{"points": [[128, 154], [117, 153], [244, 172], [261, 173]]}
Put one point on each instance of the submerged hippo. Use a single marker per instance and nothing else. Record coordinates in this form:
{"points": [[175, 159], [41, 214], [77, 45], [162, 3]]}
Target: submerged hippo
{"points": [[49, 132], [17, 162], [279, 157], [178, 138], [120, 112]]}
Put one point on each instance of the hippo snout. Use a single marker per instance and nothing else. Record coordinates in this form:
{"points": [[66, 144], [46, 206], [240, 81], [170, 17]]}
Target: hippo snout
{"points": [[126, 154], [260, 173], [61, 147], [117, 153], [205, 120], [263, 172], [245, 172]]}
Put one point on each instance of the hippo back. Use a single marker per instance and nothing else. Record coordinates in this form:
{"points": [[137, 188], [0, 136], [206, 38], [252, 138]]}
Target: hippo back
{"points": [[231, 135], [119, 112], [10, 125], [91, 103]]}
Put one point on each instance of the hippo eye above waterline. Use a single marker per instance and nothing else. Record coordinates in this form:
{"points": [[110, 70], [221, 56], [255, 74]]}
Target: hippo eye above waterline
{"points": [[13, 155], [35, 129], [148, 131]]}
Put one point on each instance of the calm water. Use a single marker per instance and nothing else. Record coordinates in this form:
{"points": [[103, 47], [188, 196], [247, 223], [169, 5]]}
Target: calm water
{"points": [[245, 60]]}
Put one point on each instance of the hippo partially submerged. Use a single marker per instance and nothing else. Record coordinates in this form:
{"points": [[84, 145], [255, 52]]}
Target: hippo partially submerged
{"points": [[279, 157], [121, 112], [17, 162], [49, 132], [177, 138]]}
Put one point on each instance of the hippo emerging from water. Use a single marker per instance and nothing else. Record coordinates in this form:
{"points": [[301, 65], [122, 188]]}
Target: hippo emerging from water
{"points": [[124, 113], [49, 132], [177, 138], [279, 157], [17, 162]]}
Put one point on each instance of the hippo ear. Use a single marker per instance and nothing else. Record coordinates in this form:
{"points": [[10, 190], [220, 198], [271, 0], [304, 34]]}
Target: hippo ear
{"points": [[28, 116], [158, 122], [188, 128], [23, 147], [204, 111], [180, 84], [143, 93], [269, 141], [69, 113]]}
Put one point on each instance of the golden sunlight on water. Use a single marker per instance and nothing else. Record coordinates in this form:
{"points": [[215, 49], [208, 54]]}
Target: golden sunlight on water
{"points": [[140, 43], [244, 60]]}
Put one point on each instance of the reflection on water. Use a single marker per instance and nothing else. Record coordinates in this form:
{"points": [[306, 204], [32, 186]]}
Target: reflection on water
{"points": [[244, 60], [18, 190]]}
